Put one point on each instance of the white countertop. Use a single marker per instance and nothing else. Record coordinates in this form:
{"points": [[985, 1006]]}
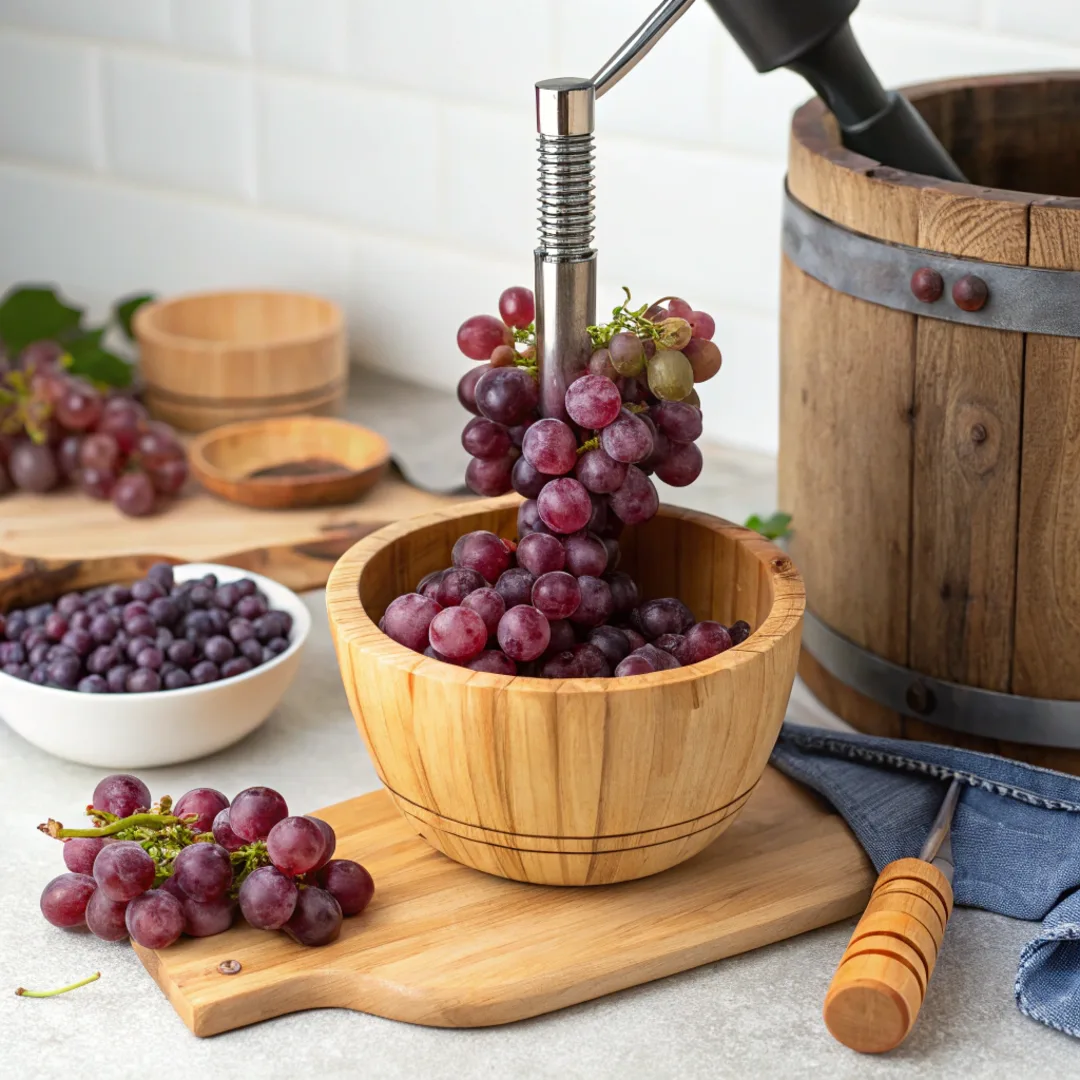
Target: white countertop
{"points": [[751, 1015]]}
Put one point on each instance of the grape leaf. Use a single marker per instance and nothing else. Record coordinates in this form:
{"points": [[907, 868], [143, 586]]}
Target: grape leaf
{"points": [[32, 314], [89, 359], [774, 527], [124, 311]]}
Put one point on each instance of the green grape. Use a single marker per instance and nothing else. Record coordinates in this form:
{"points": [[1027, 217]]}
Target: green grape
{"points": [[675, 333], [671, 378], [627, 353]]}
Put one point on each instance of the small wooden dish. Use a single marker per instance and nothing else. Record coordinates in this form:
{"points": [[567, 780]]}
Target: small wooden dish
{"points": [[218, 357], [291, 462], [572, 782]]}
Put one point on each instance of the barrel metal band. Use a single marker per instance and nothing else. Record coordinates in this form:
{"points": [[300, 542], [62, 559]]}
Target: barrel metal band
{"points": [[1021, 298], [968, 709]]}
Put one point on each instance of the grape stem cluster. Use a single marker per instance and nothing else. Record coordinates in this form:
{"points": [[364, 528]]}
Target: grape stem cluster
{"points": [[624, 317]]}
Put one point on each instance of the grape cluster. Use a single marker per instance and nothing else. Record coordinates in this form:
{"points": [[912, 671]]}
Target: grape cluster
{"points": [[153, 875], [57, 428], [548, 606], [632, 413], [157, 634]]}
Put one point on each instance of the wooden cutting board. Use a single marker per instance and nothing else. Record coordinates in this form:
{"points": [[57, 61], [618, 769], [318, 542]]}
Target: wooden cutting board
{"points": [[446, 946], [296, 547]]}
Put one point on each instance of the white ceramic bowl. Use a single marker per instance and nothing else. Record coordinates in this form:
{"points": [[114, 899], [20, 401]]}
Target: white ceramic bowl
{"points": [[138, 731]]}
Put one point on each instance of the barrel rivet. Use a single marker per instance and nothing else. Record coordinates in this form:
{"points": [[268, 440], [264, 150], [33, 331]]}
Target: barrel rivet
{"points": [[927, 285], [970, 293]]}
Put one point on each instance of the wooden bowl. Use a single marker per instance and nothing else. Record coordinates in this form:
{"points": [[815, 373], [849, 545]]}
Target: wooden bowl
{"points": [[295, 461], [572, 782], [211, 358]]}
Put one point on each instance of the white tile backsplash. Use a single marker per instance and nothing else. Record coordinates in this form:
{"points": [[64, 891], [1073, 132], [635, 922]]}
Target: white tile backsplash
{"points": [[367, 158], [180, 124], [383, 153], [215, 27], [310, 36], [51, 108]]}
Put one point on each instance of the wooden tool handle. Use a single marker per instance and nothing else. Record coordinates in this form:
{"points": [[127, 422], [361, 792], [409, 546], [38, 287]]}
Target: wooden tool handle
{"points": [[878, 988]]}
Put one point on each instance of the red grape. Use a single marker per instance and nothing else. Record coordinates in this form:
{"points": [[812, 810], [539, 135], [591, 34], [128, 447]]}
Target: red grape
{"points": [[133, 494], [105, 917], [80, 853], [295, 845], [596, 604], [550, 446], [489, 605], [255, 811], [739, 632], [483, 438], [611, 641], [206, 920], [466, 388], [526, 480], [517, 307], [564, 505], [478, 336], [168, 476], [704, 640], [121, 794], [600, 364], [678, 309], [593, 401], [407, 619], [206, 803], [702, 324], [540, 553], [599, 472], [635, 664], [155, 919], [33, 467], [123, 870], [556, 594], [64, 899], [99, 451], [223, 832], [317, 918], [490, 476], [562, 635], [636, 501], [203, 872], [662, 661], [268, 898], [627, 438], [681, 465], [680, 422], [483, 552], [585, 554], [515, 587], [704, 357], [79, 408], [67, 455], [507, 395], [492, 661], [624, 592], [524, 633], [665, 616], [458, 633], [457, 583], [96, 483], [627, 352]]}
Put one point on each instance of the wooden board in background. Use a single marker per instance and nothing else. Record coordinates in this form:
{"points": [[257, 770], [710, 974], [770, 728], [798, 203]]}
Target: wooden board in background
{"points": [[296, 547], [447, 946]]}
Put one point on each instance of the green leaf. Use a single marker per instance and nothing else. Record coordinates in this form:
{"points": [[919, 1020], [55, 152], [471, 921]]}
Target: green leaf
{"points": [[774, 527], [124, 311], [89, 359], [34, 314]]}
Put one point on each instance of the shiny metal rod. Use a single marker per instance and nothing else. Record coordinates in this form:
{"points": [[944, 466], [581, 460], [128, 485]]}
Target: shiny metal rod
{"points": [[937, 848], [639, 43]]}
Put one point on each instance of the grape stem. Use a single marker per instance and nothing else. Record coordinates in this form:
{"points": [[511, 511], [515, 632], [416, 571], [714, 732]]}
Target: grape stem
{"points": [[589, 444], [153, 821], [23, 992], [624, 317]]}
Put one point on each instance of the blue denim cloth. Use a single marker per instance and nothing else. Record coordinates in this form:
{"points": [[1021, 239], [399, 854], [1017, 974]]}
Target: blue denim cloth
{"points": [[1015, 838]]}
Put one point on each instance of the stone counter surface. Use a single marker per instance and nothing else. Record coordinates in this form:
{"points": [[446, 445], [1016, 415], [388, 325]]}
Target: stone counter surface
{"points": [[753, 1015]]}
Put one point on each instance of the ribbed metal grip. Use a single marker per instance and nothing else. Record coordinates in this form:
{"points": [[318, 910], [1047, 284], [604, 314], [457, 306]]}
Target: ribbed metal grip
{"points": [[566, 195]]}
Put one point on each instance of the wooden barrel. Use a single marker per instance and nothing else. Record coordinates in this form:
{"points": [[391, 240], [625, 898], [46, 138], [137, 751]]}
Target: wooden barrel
{"points": [[214, 358], [930, 421]]}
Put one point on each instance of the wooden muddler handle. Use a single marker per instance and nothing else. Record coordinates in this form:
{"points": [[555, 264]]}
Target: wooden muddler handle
{"points": [[878, 988]]}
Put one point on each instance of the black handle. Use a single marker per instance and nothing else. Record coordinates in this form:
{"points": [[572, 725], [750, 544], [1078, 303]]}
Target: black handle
{"points": [[814, 39]]}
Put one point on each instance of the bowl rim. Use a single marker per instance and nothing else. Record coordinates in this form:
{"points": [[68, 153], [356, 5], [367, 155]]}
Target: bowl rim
{"points": [[301, 631], [204, 468], [353, 627], [145, 325]]}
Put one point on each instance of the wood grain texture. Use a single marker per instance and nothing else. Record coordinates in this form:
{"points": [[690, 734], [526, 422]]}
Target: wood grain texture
{"points": [[296, 547], [223, 459], [992, 519], [1048, 569], [446, 946], [573, 782], [217, 357], [879, 986]]}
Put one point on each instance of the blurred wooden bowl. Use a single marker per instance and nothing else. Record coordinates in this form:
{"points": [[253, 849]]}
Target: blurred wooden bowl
{"points": [[216, 357], [291, 462]]}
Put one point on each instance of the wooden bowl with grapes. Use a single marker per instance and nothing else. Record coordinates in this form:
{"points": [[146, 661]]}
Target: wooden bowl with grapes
{"points": [[572, 781]]}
